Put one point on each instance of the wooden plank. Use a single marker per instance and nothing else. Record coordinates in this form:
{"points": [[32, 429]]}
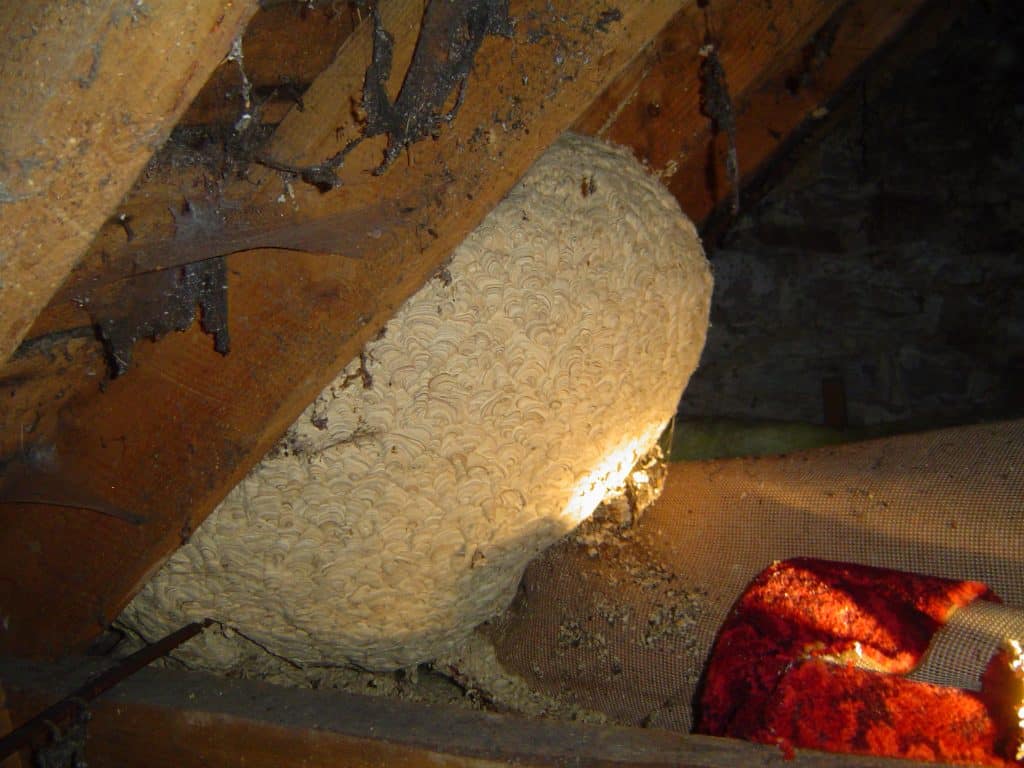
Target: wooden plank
{"points": [[161, 718], [780, 112], [89, 91], [783, 63], [662, 122], [285, 47], [169, 439]]}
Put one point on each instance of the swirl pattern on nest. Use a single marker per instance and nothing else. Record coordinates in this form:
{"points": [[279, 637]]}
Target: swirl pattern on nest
{"points": [[497, 409]]}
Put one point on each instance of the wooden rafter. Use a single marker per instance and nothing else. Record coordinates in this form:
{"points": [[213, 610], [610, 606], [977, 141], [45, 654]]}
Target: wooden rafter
{"points": [[783, 64], [161, 718], [167, 441], [170, 438], [89, 92]]}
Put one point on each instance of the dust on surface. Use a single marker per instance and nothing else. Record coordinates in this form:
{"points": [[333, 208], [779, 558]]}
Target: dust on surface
{"points": [[632, 610], [601, 621]]}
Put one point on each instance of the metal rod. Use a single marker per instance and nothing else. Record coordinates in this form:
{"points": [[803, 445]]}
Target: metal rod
{"points": [[65, 710]]}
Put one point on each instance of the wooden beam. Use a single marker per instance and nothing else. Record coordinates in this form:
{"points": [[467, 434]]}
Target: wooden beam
{"points": [[780, 111], [89, 91], [783, 65], [662, 117], [163, 718], [167, 441], [285, 47]]}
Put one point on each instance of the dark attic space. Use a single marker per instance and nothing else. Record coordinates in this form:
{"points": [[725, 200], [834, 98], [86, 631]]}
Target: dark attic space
{"points": [[877, 279], [511, 383]]}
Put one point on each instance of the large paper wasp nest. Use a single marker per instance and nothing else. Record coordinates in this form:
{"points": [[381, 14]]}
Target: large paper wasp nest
{"points": [[501, 403]]}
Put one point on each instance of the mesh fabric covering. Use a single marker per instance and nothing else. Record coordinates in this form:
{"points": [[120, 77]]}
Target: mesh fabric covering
{"points": [[623, 622], [961, 650]]}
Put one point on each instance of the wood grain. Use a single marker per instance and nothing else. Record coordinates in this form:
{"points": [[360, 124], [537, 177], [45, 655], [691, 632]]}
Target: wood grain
{"points": [[161, 718], [783, 62], [89, 91], [168, 440], [285, 47]]}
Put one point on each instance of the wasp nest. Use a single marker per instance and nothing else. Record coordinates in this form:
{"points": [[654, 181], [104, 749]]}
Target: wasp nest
{"points": [[487, 421]]}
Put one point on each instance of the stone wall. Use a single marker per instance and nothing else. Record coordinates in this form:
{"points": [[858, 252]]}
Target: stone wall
{"points": [[888, 253]]}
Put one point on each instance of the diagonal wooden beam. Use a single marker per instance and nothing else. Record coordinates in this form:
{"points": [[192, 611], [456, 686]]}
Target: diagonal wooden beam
{"points": [[89, 91], [664, 119], [229, 214], [285, 47], [164, 718], [782, 69], [168, 440]]}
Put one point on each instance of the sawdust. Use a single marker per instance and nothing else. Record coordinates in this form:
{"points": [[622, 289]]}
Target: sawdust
{"points": [[621, 509], [611, 536], [476, 669], [588, 637], [472, 676], [602, 610]]}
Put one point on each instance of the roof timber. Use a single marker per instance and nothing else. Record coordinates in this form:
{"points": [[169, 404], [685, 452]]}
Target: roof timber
{"points": [[783, 65], [171, 718], [170, 438], [89, 91], [167, 441]]}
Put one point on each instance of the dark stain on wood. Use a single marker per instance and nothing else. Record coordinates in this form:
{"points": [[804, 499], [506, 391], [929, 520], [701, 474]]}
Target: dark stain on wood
{"points": [[163, 301], [450, 36]]}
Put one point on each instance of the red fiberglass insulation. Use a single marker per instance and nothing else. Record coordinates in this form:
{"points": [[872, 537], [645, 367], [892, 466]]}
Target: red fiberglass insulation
{"points": [[813, 655]]}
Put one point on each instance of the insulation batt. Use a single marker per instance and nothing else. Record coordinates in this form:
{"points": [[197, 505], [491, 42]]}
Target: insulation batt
{"points": [[499, 406]]}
